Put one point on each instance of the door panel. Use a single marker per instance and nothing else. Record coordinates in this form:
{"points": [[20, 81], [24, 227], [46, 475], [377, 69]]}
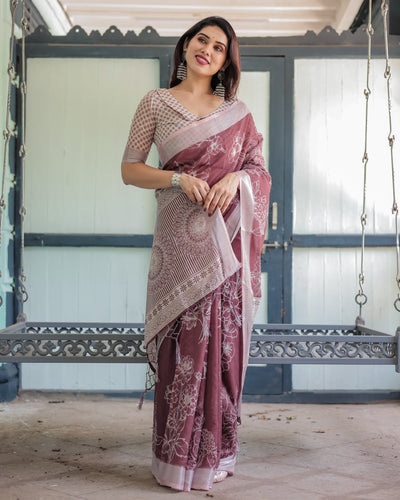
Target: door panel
{"points": [[262, 89]]}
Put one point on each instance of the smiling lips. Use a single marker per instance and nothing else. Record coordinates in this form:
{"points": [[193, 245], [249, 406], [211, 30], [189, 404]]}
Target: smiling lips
{"points": [[201, 60]]}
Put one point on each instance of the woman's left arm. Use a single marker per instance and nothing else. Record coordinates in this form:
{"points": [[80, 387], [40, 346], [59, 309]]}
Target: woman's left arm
{"points": [[222, 193]]}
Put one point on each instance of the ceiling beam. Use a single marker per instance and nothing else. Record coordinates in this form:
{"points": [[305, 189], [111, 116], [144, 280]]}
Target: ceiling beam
{"points": [[271, 5], [54, 15], [170, 18], [346, 13]]}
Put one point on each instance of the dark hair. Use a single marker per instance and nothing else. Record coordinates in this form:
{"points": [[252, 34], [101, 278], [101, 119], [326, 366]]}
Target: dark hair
{"points": [[232, 71]]}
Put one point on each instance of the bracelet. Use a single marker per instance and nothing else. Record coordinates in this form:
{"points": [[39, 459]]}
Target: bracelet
{"points": [[175, 180]]}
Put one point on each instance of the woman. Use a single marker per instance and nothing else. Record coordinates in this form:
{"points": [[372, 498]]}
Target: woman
{"points": [[204, 279]]}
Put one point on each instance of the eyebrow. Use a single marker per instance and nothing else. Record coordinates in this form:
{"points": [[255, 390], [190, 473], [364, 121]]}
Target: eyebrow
{"points": [[221, 43]]}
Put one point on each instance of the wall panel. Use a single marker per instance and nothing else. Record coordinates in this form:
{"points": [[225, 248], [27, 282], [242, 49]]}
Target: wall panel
{"points": [[329, 146], [325, 282], [327, 198], [78, 117], [86, 285]]}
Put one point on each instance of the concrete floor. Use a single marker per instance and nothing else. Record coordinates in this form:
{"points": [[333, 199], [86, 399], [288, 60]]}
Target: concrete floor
{"points": [[63, 447]]}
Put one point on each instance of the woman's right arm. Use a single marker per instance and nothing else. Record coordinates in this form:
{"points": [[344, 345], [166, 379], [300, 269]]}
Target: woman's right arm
{"points": [[141, 175], [133, 169]]}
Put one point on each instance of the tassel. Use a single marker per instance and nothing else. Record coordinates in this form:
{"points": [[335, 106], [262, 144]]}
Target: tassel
{"points": [[148, 386], [141, 400]]}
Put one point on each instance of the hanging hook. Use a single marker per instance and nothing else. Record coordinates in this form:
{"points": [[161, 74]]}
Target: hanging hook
{"points": [[361, 298], [391, 139], [7, 132], [22, 296]]}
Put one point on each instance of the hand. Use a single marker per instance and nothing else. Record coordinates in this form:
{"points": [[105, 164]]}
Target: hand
{"points": [[196, 189], [222, 193]]}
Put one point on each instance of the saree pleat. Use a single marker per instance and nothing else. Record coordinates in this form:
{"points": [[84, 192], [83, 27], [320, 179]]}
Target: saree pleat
{"points": [[197, 392]]}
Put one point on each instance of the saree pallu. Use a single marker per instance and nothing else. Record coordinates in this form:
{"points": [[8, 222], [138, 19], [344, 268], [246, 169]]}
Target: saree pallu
{"points": [[204, 286]]}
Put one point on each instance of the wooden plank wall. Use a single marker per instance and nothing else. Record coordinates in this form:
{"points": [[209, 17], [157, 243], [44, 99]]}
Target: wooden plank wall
{"points": [[328, 184]]}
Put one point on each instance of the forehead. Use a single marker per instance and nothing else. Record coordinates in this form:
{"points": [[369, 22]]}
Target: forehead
{"points": [[215, 33]]}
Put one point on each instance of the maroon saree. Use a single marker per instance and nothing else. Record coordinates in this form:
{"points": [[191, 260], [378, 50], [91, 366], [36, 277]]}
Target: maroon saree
{"points": [[203, 290]]}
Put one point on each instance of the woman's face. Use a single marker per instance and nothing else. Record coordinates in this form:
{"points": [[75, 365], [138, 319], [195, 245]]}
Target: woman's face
{"points": [[206, 52]]}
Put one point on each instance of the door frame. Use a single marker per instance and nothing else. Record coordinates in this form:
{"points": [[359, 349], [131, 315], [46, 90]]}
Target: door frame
{"points": [[277, 261]]}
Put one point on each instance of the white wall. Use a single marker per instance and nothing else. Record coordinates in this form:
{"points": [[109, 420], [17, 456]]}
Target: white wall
{"points": [[329, 146], [328, 176], [78, 118]]}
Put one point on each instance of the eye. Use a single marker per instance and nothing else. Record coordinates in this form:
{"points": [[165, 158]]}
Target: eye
{"points": [[201, 39], [218, 48]]}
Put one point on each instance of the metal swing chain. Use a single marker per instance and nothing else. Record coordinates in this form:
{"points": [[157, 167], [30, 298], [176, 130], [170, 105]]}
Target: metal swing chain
{"points": [[395, 209], [22, 294], [361, 298], [7, 132]]}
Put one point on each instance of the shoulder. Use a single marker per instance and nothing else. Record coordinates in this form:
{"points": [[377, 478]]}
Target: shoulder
{"points": [[149, 97], [242, 106], [156, 98], [149, 104], [245, 112], [238, 105], [239, 109]]}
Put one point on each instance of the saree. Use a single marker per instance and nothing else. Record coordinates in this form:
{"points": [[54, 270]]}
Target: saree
{"points": [[204, 285]]}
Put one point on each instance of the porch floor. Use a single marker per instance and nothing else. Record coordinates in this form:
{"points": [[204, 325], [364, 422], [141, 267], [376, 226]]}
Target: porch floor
{"points": [[62, 446]]}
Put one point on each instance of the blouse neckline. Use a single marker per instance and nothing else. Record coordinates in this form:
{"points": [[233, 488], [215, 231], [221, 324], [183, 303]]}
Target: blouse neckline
{"points": [[187, 111]]}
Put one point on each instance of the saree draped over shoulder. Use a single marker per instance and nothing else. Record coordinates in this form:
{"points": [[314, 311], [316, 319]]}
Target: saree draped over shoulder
{"points": [[204, 285]]}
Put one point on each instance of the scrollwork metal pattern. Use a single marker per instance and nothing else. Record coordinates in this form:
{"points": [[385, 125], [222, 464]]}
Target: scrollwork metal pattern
{"points": [[122, 343], [323, 350], [50, 342], [303, 330], [75, 348]]}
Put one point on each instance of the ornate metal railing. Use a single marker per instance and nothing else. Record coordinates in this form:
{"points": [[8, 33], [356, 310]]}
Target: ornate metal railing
{"points": [[124, 343]]}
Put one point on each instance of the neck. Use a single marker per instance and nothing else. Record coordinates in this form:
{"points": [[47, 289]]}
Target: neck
{"points": [[197, 86]]}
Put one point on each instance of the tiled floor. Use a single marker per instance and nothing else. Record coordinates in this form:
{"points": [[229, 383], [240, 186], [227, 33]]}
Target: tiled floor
{"points": [[61, 446]]}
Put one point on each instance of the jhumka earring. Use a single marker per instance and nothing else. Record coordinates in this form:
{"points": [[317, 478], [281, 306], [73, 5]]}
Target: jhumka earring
{"points": [[181, 71], [220, 89]]}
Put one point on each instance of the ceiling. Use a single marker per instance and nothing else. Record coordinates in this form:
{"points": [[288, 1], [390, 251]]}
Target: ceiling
{"points": [[173, 17]]}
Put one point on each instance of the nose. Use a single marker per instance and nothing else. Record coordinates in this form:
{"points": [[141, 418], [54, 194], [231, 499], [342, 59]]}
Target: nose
{"points": [[205, 49]]}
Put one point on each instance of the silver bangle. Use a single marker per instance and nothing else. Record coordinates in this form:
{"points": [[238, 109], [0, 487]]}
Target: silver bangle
{"points": [[175, 180]]}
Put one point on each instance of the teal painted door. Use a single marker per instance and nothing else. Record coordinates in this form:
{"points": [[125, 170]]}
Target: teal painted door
{"points": [[263, 90]]}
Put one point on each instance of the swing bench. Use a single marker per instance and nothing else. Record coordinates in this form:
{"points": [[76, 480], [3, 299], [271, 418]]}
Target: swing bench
{"points": [[51, 342], [35, 342]]}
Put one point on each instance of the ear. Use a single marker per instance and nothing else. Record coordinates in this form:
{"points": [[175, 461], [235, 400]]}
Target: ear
{"points": [[185, 44]]}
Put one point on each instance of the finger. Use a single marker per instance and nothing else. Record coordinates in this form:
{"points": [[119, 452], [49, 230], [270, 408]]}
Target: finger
{"points": [[204, 194], [203, 189], [226, 204], [211, 198], [191, 197], [198, 196], [214, 204], [223, 203]]}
